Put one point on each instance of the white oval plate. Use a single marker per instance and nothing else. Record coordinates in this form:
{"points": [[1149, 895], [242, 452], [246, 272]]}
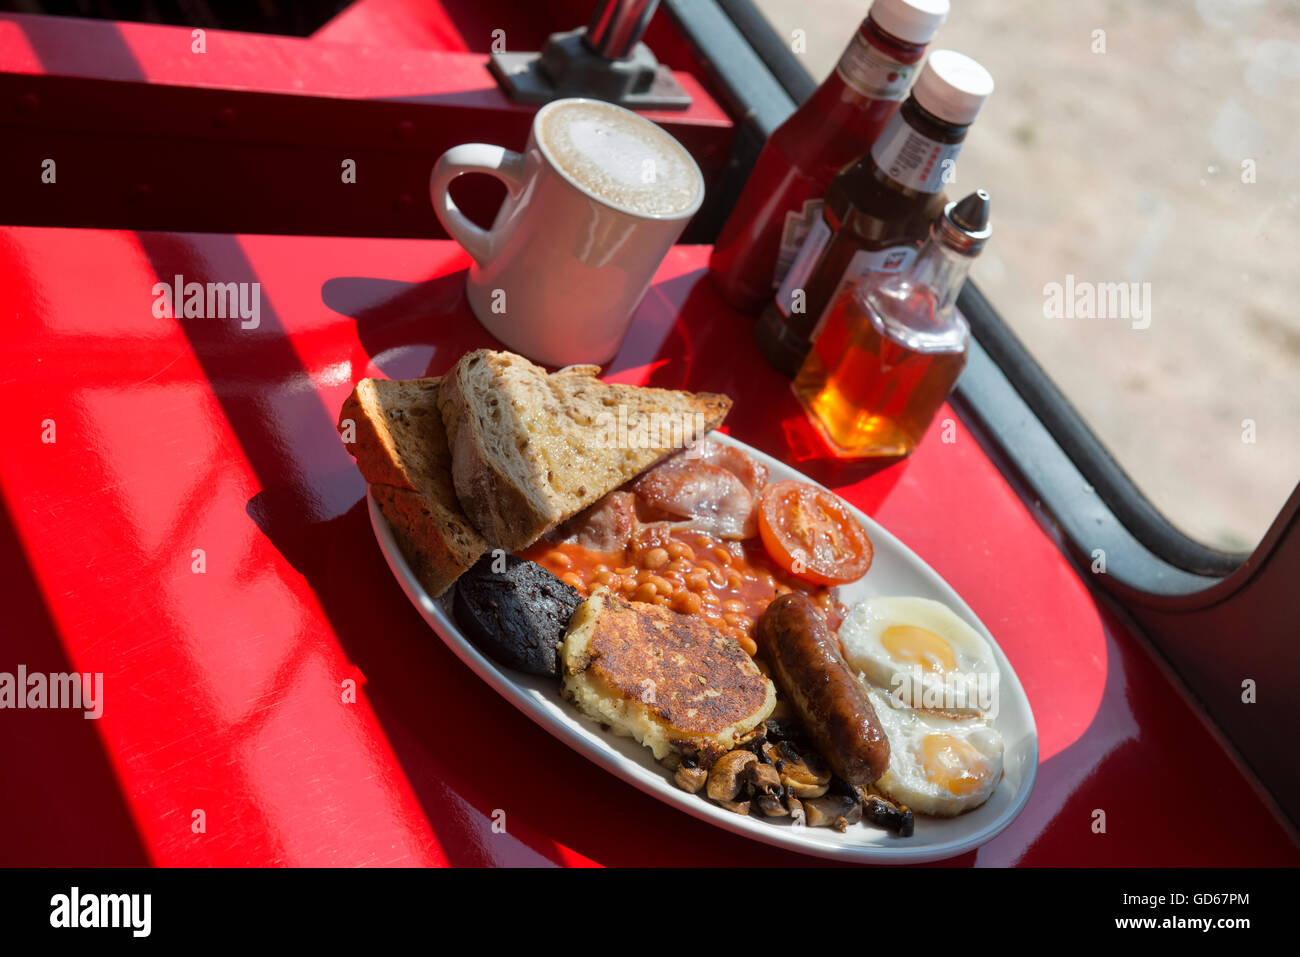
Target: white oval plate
{"points": [[896, 570]]}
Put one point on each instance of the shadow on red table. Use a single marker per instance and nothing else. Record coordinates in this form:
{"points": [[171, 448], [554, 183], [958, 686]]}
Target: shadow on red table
{"points": [[62, 803], [409, 329]]}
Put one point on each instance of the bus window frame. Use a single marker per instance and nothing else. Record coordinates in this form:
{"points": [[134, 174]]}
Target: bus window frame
{"points": [[1024, 419]]}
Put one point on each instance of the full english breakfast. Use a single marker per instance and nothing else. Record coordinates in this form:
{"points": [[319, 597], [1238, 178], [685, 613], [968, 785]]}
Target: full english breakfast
{"points": [[675, 595]]}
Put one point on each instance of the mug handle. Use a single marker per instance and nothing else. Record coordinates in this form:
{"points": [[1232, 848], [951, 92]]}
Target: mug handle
{"points": [[506, 165]]}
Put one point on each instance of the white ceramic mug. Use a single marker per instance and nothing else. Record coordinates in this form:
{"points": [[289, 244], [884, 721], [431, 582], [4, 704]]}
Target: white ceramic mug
{"points": [[595, 201]]}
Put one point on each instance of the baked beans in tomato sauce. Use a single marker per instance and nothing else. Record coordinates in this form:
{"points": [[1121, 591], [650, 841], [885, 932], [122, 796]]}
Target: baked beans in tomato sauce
{"points": [[728, 583]]}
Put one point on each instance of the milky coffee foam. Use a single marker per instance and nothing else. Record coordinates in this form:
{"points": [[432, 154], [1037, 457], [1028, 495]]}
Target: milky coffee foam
{"points": [[626, 161]]}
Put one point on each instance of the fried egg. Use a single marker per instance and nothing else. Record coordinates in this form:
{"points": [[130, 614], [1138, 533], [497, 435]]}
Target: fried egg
{"points": [[937, 765], [922, 654]]}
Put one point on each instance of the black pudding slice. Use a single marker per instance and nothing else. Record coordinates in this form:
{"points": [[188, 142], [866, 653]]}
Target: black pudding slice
{"points": [[516, 616]]}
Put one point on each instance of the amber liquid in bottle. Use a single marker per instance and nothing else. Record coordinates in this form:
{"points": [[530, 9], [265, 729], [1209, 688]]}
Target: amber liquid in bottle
{"points": [[887, 357], [877, 395]]}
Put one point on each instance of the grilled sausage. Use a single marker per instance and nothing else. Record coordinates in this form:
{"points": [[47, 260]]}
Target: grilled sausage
{"points": [[808, 668]]}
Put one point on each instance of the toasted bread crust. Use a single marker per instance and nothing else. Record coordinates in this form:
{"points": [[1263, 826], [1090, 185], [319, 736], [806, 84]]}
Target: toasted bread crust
{"points": [[378, 448], [436, 557], [507, 494], [499, 507], [401, 450]]}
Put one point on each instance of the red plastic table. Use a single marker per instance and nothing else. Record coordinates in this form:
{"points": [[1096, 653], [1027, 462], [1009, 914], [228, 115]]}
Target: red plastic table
{"points": [[224, 669]]}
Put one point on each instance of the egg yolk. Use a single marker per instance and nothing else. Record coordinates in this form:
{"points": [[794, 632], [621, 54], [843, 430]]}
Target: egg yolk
{"points": [[953, 764], [918, 646]]}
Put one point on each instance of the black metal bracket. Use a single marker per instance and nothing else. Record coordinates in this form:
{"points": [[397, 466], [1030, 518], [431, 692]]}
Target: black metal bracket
{"points": [[605, 60], [566, 67]]}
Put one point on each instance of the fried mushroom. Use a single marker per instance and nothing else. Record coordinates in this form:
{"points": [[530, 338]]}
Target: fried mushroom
{"points": [[833, 810], [802, 774], [690, 779], [728, 777]]}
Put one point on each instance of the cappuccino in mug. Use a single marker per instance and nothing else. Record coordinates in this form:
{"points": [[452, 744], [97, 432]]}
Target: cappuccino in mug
{"points": [[594, 203], [620, 158]]}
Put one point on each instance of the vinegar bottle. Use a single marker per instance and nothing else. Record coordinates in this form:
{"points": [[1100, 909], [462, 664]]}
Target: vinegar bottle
{"points": [[894, 345], [879, 210], [783, 196]]}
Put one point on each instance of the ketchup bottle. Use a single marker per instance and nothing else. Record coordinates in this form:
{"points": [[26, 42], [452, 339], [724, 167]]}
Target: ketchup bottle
{"points": [[879, 210], [782, 197]]}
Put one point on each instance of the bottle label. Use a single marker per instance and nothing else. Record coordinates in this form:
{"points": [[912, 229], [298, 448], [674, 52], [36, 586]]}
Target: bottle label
{"points": [[864, 264], [811, 251], [798, 223], [913, 159], [872, 73]]}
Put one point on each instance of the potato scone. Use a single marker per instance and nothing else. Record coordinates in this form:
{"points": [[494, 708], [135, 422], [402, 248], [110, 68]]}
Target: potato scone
{"points": [[667, 680]]}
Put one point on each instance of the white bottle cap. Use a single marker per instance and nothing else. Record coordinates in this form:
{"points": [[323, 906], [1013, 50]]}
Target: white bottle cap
{"points": [[952, 86], [914, 21]]}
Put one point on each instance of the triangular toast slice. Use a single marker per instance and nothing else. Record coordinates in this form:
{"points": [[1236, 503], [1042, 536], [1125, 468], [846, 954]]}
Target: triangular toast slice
{"points": [[401, 449], [531, 449]]}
